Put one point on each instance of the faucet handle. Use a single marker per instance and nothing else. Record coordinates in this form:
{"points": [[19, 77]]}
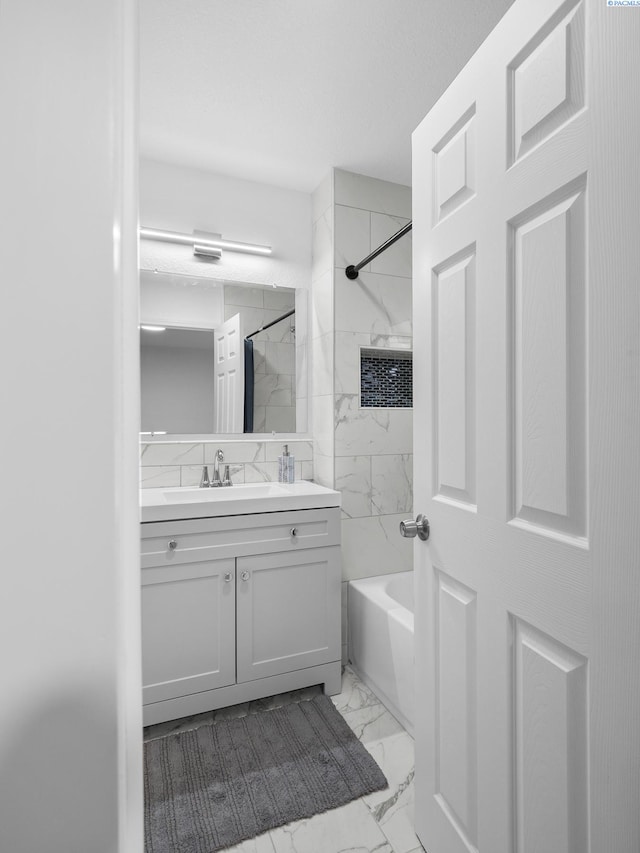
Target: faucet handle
{"points": [[204, 480], [227, 477]]}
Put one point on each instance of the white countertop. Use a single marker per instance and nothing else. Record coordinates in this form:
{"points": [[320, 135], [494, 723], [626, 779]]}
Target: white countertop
{"points": [[179, 503]]}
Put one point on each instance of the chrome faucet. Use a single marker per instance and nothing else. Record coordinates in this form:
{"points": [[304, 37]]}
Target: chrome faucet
{"points": [[216, 481]]}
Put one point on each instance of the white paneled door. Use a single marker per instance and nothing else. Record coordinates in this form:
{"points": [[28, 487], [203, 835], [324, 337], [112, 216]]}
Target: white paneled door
{"points": [[526, 263], [228, 345]]}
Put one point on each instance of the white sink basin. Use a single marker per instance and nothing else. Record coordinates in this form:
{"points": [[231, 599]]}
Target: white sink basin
{"points": [[178, 503], [225, 493]]}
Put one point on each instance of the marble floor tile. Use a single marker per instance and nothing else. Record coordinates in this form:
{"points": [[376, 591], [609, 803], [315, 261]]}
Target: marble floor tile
{"points": [[349, 828], [354, 695], [260, 844], [372, 723], [393, 808]]}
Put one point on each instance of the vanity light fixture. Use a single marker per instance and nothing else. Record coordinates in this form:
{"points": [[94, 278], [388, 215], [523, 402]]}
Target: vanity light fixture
{"points": [[148, 328], [204, 243]]}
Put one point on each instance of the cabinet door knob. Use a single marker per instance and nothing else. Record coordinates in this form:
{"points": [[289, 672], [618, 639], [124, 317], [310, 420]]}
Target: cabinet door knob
{"points": [[228, 577], [173, 544], [245, 576], [294, 531]]}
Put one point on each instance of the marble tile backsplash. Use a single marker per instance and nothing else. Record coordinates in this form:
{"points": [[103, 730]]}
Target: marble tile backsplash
{"points": [[168, 464]]}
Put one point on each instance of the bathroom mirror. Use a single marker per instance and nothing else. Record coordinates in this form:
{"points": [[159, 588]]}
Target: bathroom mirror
{"points": [[219, 357]]}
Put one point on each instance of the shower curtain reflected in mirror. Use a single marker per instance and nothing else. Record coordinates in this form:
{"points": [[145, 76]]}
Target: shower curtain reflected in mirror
{"points": [[248, 385]]}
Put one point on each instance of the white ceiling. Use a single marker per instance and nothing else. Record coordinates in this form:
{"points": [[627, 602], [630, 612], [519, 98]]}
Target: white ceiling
{"points": [[279, 91]]}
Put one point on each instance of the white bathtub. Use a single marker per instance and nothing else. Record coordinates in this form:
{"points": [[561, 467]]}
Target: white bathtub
{"points": [[380, 623]]}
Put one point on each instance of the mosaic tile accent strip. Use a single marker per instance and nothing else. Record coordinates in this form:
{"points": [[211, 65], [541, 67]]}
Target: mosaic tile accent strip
{"points": [[386, 379]]}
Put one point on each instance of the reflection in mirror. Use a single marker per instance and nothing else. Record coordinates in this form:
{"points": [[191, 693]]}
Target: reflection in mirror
{"points": [[176, 366], [225, 361]]}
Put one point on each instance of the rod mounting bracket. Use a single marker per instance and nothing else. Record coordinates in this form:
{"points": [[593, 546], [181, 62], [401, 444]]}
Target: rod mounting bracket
{"points": [[351, 272]]}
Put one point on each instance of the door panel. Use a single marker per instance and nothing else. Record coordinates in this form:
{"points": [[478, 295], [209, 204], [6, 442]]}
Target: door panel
{"points": [[454, 377], [456, 737], [549, 357], [454, 166], [229, 376], [514, 649], [547, 80], [550, 734]]}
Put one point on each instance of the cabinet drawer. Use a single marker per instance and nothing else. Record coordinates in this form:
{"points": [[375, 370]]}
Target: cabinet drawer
{"points": [[166, 542]]}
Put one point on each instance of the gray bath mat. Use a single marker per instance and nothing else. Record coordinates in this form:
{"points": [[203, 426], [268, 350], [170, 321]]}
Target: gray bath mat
{"points": [[217, 785]]}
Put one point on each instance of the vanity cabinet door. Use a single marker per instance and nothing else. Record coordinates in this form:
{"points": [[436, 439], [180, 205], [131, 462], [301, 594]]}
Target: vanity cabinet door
{"points": [[188, 628], [288, 611]]}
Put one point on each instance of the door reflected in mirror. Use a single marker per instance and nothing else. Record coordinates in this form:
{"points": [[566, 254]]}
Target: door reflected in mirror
{"points": [[217, 358]]}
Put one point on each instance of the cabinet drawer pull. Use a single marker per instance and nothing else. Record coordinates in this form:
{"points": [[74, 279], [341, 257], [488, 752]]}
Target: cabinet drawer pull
{"points": [[173, 544], [294, 531], [228, 577], [245, 576]]}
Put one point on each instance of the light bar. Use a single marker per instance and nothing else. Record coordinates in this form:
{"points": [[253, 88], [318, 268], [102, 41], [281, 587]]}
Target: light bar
{"points": [[211, 242]]}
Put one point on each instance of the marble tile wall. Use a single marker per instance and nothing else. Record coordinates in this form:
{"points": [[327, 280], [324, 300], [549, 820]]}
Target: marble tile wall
{"points": [[179, 463], [373, 448], [365, 453]]}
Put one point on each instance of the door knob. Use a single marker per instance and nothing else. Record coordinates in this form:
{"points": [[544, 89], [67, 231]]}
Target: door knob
{"points": [[245, 576], [419, 527], [228, 577]]}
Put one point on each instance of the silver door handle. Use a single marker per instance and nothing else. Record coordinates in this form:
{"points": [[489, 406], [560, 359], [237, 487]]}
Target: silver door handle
{"points": [[245, 576], [172, 544], [420, 527], [228, 577]]}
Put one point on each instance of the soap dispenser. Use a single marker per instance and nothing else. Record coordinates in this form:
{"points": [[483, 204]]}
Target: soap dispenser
{"points": [[286, 466]]}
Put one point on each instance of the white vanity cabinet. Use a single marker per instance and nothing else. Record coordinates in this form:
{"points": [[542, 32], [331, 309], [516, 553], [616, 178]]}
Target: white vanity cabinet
{"points": [[239, 607]]}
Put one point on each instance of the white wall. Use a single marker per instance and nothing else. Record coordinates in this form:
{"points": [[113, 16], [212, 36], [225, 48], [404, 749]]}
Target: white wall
{"points": [[70, 716], [182, 199]]}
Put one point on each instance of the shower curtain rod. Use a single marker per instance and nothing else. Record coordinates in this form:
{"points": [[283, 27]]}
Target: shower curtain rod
{"points": [[351, 271], [272, 323]]}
